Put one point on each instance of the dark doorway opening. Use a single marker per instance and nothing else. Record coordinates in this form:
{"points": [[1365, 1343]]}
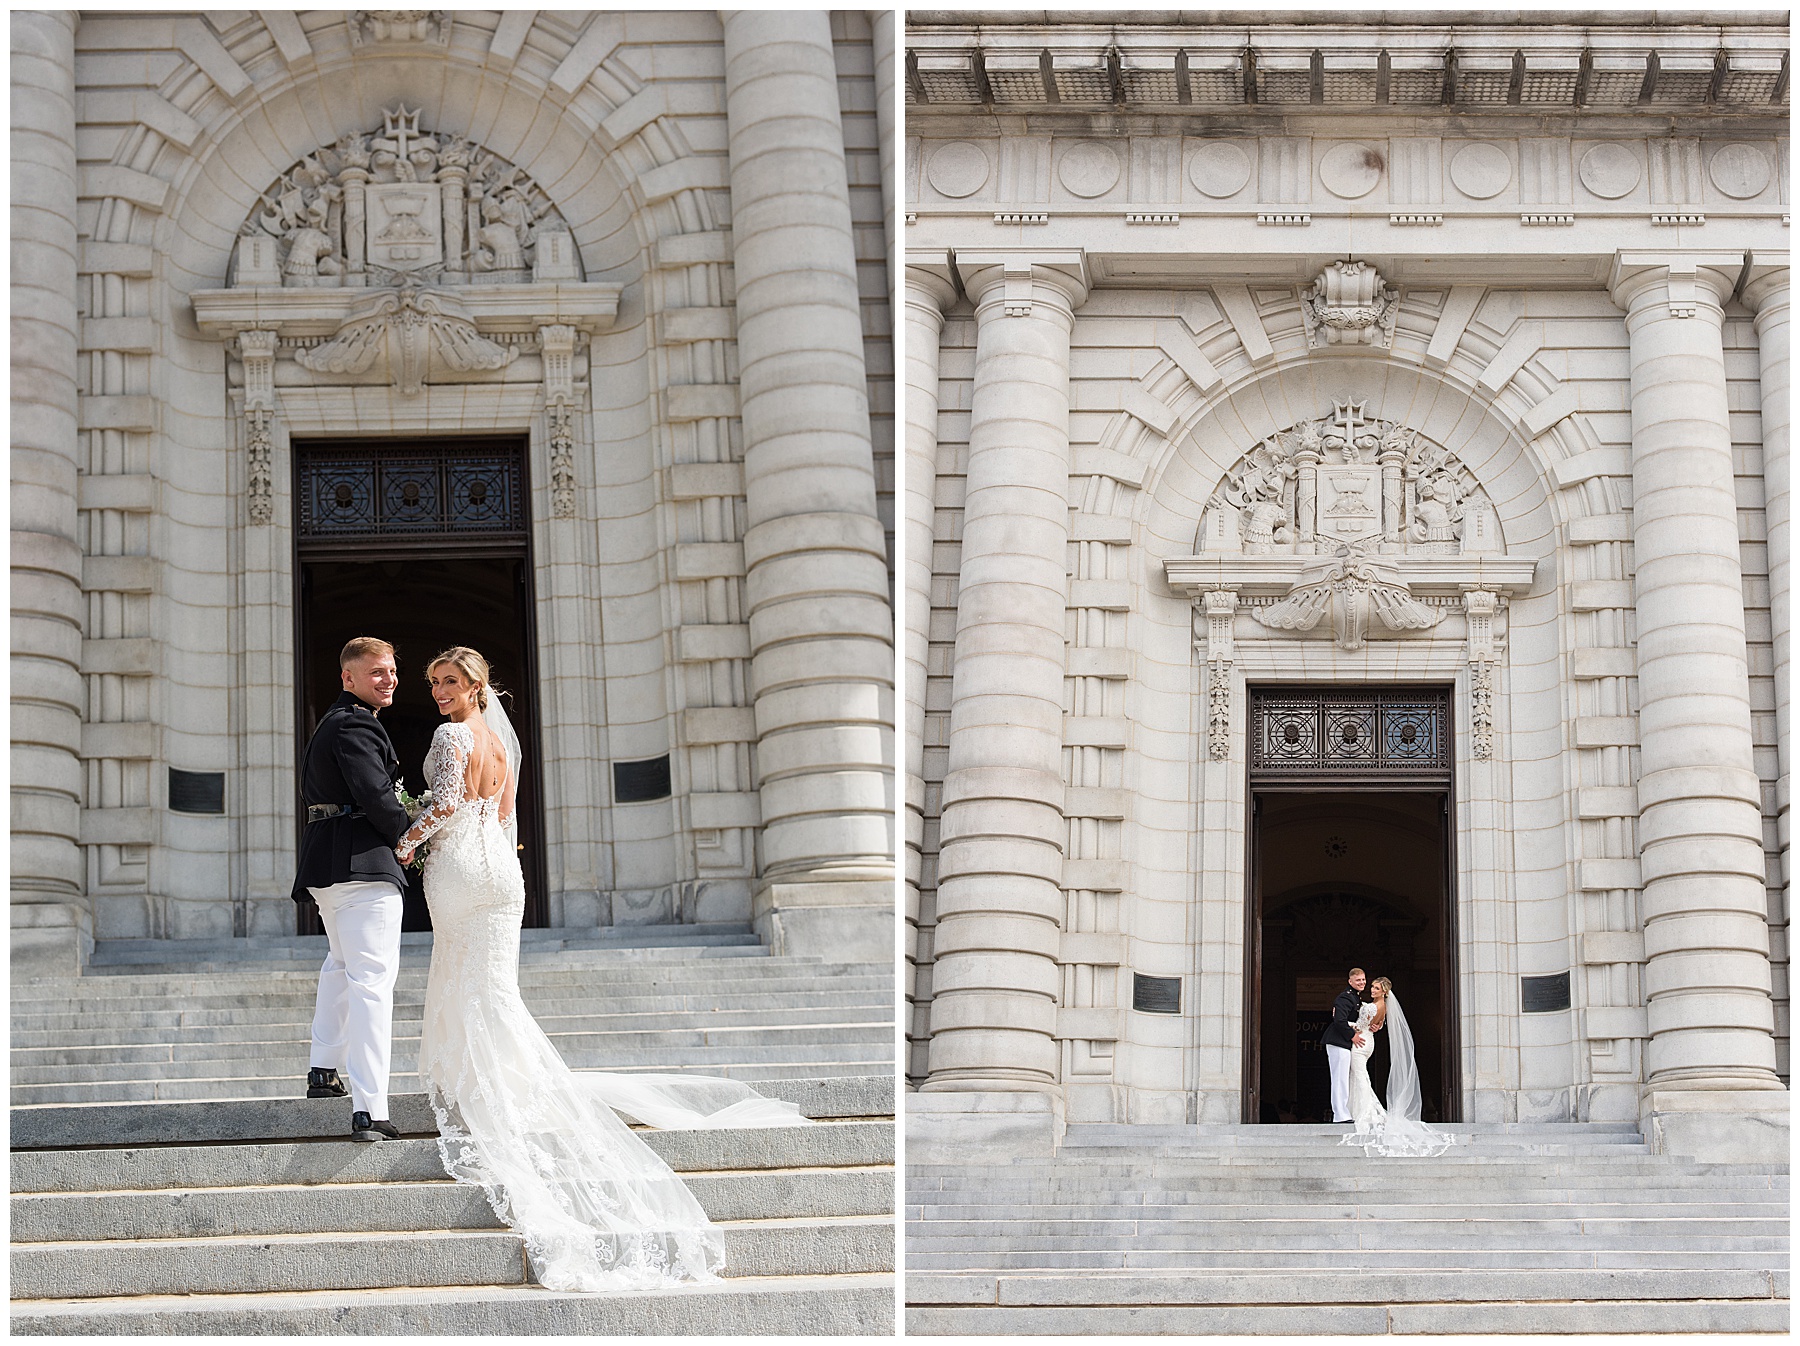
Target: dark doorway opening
{"points": [[1356, 871], [424, 593]]}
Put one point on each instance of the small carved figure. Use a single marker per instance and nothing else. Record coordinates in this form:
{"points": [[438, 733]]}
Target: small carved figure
{"points": [[505, 231], [1438, 515], [310, 248]]}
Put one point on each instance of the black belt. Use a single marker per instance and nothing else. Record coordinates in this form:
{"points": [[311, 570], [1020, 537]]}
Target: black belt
{"points": [[318, 813]]}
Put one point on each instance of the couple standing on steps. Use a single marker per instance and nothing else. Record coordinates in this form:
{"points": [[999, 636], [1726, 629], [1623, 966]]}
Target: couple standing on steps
{"points": [[597, 1208], [1349, 1041]]}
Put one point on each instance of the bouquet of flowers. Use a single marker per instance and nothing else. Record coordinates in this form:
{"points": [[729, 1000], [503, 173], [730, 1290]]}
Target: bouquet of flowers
{"points": [[414, 806]]}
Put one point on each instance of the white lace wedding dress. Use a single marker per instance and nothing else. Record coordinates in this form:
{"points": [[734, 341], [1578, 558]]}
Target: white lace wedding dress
{"points": [[597, 1208], [1365, 1109], [1394, 1130]]}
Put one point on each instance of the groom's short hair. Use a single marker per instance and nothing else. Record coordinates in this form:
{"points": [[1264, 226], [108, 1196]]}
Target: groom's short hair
{"points": [[361, 648], [1353, 972]]}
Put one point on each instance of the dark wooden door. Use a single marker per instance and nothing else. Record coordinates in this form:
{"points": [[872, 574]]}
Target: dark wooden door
{"points": [[456, 573]]}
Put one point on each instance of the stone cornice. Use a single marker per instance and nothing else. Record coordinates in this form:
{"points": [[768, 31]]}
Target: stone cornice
{"points": [[589, 305], [1402, 67], [1276, 575]]}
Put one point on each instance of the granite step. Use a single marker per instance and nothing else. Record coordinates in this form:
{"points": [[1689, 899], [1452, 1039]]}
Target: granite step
{"points": [[415, 1206], [532, 943], [248, 1210], [280, 1023], [838, 1305], [1630, 1317], [1557, 1228], [261, 1056], [279, 1263], [853, 1143], [286, 1086]]}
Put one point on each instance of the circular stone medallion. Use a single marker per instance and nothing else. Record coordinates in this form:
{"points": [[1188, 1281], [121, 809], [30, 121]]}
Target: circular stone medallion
{"points": [[957, 169], [1481, 170], [1219, 168], [1610, 171], [1089, 169], [1351, 170], [1740, 171]]}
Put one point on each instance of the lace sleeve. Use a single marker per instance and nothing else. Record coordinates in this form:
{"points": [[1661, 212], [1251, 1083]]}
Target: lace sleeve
{"points": [[448, 762]]}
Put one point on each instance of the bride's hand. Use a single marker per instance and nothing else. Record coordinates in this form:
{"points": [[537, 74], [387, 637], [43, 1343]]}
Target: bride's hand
{"points": [[405, 857]]}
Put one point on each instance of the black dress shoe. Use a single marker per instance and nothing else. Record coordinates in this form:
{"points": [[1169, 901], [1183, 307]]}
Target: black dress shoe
{"points": [[362, 1128], [322, 1082]]}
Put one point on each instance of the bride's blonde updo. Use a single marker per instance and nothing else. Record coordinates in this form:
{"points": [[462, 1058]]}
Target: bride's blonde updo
{"points": [[1385, 984], [472, 666]]}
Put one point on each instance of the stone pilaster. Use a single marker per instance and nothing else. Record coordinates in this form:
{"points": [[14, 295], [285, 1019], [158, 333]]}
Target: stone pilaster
{"points": [[1766, 292], [882, 26], [821, 628], [999, 899], [1706, 975], [51, 925], [929, 291]]}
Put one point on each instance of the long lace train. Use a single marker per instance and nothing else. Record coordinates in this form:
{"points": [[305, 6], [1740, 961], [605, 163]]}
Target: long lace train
{"points": [[596, 1207]]}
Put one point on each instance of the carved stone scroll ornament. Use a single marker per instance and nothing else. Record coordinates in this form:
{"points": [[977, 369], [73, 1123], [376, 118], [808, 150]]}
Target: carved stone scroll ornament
{"points": [[1218, 609], [1481, 605], [1348, 306], [257, 350], [557, 341], [1356, 592], [408, 329]]}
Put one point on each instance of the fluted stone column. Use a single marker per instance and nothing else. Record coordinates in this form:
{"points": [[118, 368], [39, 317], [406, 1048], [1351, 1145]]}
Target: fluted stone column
{"points": [[929, 291], [821, 628], [999, 903], [51, 924], [1706, 977], [1766, 292]]}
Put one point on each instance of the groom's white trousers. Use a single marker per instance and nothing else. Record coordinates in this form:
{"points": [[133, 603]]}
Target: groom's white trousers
{"points": [[1339, 1060], [353, 1022]]}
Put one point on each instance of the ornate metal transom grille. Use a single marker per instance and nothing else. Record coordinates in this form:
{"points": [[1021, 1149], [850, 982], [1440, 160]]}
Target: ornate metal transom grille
{"points": [[1349, 734], [363, 493]]}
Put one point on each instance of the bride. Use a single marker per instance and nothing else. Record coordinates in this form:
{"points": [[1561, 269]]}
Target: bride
{"points": [[597, 1208], [1395, 1129]]}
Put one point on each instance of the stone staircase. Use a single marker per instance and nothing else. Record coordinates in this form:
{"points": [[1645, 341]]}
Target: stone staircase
{"points": [[167, 1178], [1572, 1228]]}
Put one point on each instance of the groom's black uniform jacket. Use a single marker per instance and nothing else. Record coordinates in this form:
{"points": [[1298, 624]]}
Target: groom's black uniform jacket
{"points": [[350, 761], [1341, 1031]]}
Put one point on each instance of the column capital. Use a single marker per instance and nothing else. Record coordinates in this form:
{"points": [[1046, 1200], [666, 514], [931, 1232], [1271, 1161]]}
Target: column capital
{"points": [[930, 278], [1681, 279], [1766, 281], [1024, 277]]}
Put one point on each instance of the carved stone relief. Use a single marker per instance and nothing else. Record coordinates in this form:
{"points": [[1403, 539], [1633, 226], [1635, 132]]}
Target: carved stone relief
{"points": [[398, 203], [1346, 480], [1349, 306], [399, 25]]}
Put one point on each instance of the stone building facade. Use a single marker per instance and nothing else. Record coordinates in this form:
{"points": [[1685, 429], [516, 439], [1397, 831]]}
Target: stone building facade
{"points": [[1346, 517], [567, 331]]}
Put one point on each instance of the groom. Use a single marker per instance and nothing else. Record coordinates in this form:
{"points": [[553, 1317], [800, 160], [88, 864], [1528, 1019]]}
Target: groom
{"points": [[348, 867], [1339, 1037]]}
